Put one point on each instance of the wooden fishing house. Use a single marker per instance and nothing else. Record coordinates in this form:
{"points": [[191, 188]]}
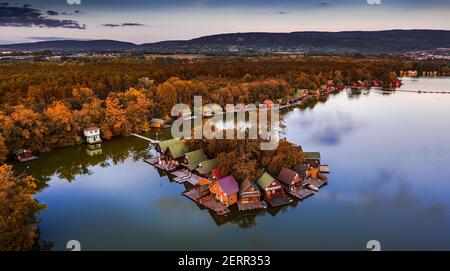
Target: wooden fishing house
{"points": [[312, 158], [195, 158], [249, 196], [272, 190], [291, 179], [205, 169], [92, 135], [157, 123], [225, 190], [23, 155], [294, 183]]}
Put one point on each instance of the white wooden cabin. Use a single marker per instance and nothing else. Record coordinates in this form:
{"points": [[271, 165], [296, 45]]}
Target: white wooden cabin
{"points": [[92, 135]]}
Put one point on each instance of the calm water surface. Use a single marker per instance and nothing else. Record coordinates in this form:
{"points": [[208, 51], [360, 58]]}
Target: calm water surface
{"points": [[389, 154]]}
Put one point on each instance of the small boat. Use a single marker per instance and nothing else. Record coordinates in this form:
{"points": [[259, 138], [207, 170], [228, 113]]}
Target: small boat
{"points": [[324, 168], [313, 187]]}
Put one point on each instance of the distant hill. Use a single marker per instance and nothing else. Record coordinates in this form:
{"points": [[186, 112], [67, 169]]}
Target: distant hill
{"points": [[363, 42], [73, 45]]}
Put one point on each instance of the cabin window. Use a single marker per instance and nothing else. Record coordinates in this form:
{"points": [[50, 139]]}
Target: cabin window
{"points": [[220, 189]]}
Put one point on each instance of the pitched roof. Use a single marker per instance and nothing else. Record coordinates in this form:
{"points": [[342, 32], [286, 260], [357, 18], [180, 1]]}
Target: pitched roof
{"points": [[301, 169], [207, 166], [177, 150], [265, 180], [287, 176], [163, 145], [204, 181], [91, 129], [246, 184], [312, 155], [19, 151], [229, 185], [195, 158], [216, 172]]}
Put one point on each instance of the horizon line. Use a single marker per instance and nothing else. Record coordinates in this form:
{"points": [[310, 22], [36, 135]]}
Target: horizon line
{"points": [[224, 33]]}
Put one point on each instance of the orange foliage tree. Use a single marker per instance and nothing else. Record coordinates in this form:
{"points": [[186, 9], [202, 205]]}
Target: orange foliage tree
{"points": [[18, 211]]}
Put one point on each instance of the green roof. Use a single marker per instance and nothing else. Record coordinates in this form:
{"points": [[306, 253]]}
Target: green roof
{"points": [[265, 180], [164, 144], [195, 158], [177, 150], [312, 155], [205, 167]]}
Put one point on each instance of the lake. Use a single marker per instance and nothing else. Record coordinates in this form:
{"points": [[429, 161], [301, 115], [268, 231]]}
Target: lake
{"points": [[389, 154]]}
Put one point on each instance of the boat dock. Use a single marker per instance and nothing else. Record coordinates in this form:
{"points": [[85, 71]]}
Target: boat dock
{"points": [[161, 164], [301, 193], [212, 204], [184, 175], [324, 168], [316, 182], [152, 141], [251, 206], [279, 201]]}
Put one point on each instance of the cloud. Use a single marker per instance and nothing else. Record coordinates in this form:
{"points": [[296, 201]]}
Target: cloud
{"points": [[52, 13], [132, 24], [122, 25], [324, 4], [282, 12], [51, 38], [26, 16]]}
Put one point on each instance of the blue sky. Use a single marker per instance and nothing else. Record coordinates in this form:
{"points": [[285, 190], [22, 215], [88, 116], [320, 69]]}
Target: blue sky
{"points": [[142, 21]]}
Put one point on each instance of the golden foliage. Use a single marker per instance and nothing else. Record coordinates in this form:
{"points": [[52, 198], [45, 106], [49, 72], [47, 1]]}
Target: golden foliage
{"points": [[18, 211]]}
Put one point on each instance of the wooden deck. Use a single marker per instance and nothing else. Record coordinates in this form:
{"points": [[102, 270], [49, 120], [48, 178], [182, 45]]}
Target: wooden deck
{"points": [[316, 182], [152, 160], [192, 194], [324, 169], [279, 201], [152, 141], [251, 206], [215, 206], [31, 158], [184, 175], [161, 164], [301, 193]]}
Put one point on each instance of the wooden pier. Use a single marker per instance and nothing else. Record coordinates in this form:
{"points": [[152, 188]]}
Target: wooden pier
{"points": [[161, 164], [152, 141], [279, 201], [184, 175], [324, 168], [316, 182], [251, 206], [301, 193], [193, 194], [212, 204]]}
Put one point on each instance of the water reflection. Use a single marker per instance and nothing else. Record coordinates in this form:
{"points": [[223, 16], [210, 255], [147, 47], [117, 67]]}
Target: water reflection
{"points": [[69, 163], [389, 181]]}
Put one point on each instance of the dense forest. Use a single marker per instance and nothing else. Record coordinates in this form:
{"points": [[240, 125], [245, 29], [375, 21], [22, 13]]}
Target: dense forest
{"points": [[45, 105]]}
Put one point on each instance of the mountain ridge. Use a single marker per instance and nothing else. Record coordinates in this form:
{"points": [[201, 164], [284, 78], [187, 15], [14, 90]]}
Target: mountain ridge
{"points": [[383, 41]]}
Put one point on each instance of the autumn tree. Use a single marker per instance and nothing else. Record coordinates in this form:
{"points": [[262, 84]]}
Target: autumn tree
{"points": [[3, 149], [91, 114], [23, 128], [60, 126], [18, 211], [175, 91]]}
